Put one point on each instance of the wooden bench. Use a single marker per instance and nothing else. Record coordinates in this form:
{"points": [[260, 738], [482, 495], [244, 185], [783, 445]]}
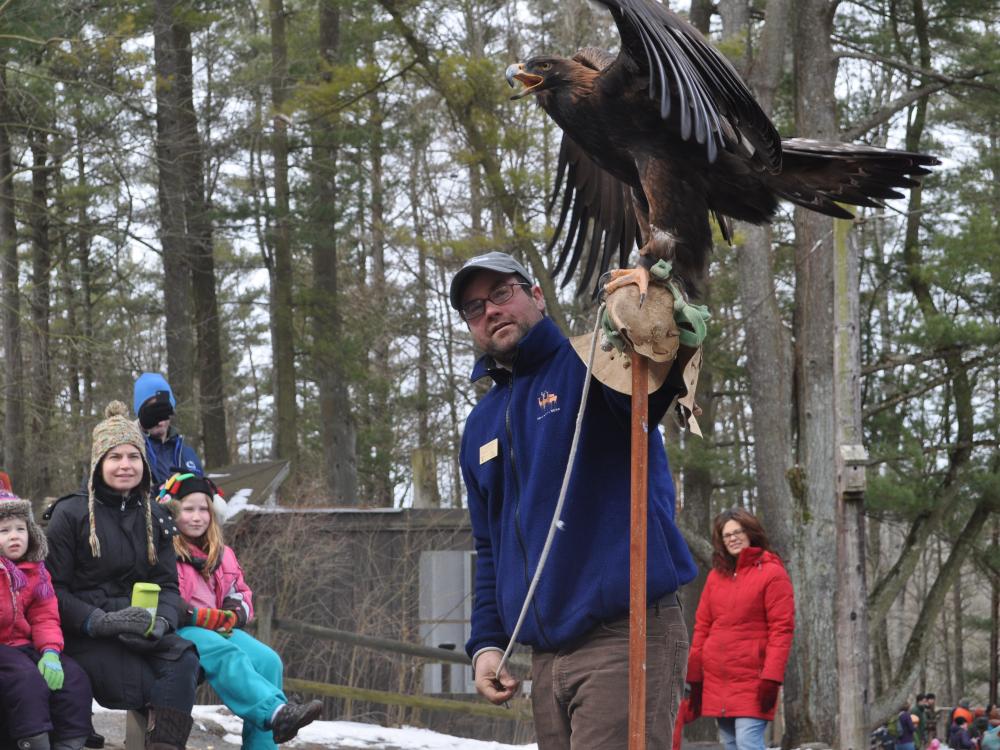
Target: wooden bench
{"points": [[135, 730]]}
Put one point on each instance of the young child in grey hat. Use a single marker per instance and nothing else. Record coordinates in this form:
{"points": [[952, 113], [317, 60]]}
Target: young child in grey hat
{"points": [[42, 692]]}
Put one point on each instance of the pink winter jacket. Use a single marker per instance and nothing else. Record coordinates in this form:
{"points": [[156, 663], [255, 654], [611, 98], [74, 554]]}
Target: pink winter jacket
{"points": [[29, 611], [225, 589]]}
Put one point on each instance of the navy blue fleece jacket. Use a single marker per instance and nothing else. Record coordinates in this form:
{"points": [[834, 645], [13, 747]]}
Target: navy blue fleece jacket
{"points": [[514, 451]]}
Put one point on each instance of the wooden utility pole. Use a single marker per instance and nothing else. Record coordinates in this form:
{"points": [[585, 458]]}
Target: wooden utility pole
{"points": [[637, 555], [851, 616]]}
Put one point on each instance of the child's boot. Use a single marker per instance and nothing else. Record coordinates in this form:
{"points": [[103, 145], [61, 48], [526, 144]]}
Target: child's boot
{"points": [[167, 729], [69, 743], [34, 742]]}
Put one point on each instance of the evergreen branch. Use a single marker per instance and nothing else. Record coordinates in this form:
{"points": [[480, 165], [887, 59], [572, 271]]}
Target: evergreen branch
{"points": [[886, 112], [966, 78], [33, 40], [341, 106], [906, 395], [892, 361]]}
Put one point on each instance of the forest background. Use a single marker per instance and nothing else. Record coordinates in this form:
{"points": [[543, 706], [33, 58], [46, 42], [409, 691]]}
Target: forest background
{"points": [[265, 199]]}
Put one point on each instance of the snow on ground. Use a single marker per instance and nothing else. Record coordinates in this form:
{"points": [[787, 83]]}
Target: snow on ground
{"points": [[349, 734]]}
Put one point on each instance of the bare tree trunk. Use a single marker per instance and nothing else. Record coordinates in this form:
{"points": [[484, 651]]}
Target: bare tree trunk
{"points": [[336, 420], [283, 347], [701, 15], [13, 437], [770, 363], [994, 615], [475, 201], [697, 512], [207, 323], [379, 408], [735, 15], [426, 493], [815, 577], [199, 241], [959, 634], [173, 224], [38, 480]]}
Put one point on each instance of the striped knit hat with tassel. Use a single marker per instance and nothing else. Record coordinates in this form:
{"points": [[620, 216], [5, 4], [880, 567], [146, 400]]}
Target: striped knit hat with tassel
{"points": [[117, 429]]}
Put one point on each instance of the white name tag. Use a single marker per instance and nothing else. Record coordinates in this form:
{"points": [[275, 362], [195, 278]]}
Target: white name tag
{"points": [[489, 451]]}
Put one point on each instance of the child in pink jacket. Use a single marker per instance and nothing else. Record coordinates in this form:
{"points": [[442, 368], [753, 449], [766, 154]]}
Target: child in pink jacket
{"points": [[41, 691], [244, 672]]}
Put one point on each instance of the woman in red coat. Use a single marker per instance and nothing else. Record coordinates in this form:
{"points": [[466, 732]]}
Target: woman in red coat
{"points": [[742, 633]]}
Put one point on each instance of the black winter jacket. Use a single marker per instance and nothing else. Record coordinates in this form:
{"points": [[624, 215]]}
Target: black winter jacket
{"points": [[84, 583]]}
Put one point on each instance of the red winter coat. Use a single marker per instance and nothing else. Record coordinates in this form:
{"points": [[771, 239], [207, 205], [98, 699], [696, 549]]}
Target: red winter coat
{"points": [[742, 634], [29, 610]]}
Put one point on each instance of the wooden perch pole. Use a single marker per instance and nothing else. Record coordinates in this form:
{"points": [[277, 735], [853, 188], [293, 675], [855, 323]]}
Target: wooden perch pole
{"points": [[637, 555]]}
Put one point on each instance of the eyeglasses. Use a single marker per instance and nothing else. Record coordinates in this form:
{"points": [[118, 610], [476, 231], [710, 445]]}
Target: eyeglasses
{"points": [[499, 296], [733, 535]]}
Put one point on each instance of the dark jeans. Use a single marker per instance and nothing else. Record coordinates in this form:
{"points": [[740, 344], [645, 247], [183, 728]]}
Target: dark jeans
{"points": [[28, 707], [579, 695], [123, 678], [174, 682]]}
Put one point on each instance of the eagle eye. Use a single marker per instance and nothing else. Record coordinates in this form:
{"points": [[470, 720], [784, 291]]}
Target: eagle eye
{"points": [[544, 66]]}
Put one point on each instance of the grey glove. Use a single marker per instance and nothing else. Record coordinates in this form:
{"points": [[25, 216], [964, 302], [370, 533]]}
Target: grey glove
{"points": [[142, 642], [103, 624]]}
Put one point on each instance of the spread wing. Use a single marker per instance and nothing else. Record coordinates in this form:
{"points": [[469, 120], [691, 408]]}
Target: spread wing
{"points": [[821, 174], [600, 212], [715, 107]]}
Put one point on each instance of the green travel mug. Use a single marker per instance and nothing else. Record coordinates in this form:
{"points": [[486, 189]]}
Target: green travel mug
{"points": [[147, 596]]}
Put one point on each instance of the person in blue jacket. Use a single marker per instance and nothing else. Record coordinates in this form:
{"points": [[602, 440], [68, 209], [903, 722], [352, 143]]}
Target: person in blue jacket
{"points": [[154, 403], [514, 451]]}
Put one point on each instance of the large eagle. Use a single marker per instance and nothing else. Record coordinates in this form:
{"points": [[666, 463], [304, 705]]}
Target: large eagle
{"points": [[657, 137]]}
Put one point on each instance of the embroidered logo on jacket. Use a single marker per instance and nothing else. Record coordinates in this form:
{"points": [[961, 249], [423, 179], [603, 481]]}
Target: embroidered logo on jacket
{"points": [[548, 403]]}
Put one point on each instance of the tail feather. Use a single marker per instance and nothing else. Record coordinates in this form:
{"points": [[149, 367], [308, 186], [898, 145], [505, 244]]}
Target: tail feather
{"points": [[820, 174]]}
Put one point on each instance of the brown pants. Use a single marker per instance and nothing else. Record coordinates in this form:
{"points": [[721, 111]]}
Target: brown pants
{"points": [[579, 696]]}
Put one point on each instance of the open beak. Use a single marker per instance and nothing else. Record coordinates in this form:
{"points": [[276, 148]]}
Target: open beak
{"points": [[516, 72]]}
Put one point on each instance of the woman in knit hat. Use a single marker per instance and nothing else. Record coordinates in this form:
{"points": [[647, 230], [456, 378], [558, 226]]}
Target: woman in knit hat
{"points": [[101, 543], [246, 673], [41, 692]]}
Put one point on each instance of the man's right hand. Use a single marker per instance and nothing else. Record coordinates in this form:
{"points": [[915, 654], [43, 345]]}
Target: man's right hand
{"points": [[496, 689]]}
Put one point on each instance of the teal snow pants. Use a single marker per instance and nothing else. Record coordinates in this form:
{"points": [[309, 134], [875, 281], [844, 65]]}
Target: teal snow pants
{"points": [[246, 674]]}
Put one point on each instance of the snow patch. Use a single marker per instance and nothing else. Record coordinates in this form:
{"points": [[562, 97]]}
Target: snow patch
{"points": [[343, 734]]}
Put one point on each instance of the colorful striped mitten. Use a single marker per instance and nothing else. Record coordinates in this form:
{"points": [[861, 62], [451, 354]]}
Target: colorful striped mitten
{"points": [[220, 620]]}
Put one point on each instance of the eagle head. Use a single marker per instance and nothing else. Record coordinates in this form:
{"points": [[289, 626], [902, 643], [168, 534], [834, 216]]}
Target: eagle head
{"points": [[537, 74]]}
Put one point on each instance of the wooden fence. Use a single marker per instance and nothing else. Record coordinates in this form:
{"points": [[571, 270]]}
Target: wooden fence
{"points": [[267, 621]]}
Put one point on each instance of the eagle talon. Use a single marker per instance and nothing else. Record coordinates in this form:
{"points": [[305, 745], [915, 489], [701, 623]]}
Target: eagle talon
{"points": [[624, 276]]}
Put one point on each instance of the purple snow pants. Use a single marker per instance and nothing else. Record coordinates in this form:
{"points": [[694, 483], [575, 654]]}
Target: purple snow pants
{"points": [[28, 707]]}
